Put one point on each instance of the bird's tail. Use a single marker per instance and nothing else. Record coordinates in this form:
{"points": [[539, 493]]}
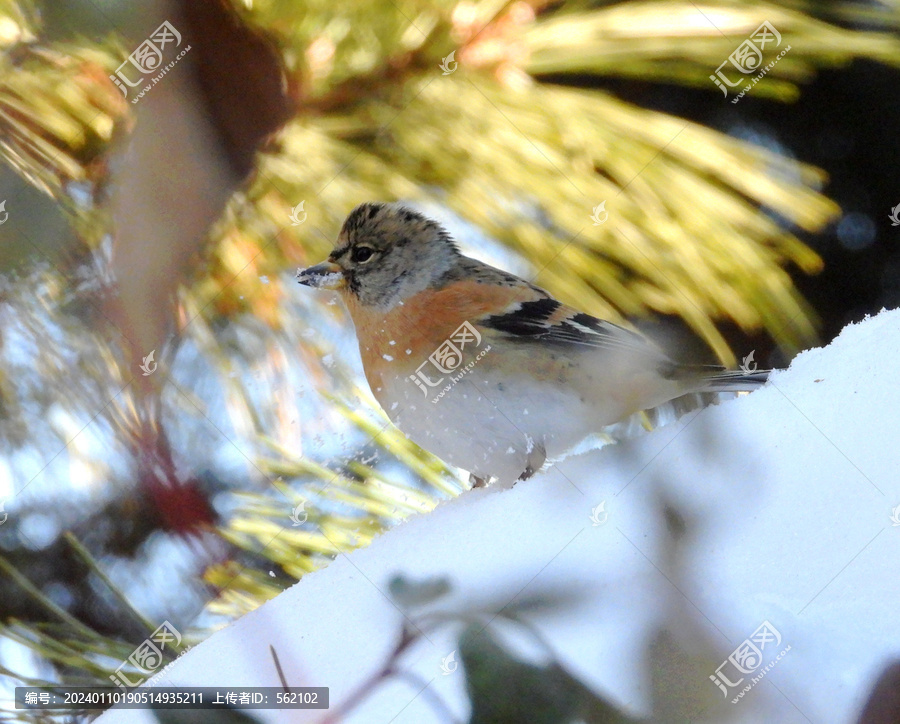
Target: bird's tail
{"points": [[734, 381], [712, 378], [703, 385]]}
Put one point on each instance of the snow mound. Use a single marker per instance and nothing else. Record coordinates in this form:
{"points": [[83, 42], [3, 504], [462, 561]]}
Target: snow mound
{"points": [[668, 553]]}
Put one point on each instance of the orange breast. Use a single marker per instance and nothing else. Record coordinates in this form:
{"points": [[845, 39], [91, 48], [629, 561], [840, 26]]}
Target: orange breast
{"points": [[421, 324]]}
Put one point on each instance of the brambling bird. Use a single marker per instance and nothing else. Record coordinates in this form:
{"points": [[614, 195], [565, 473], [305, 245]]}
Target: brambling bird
{"points": [[484, 369]]}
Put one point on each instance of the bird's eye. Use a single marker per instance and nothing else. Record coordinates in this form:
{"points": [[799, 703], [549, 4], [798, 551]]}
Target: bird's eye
{"points": [[362, 254]]}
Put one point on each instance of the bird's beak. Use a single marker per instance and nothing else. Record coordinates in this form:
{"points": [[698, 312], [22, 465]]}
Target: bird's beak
{"points": [[326, 275]]}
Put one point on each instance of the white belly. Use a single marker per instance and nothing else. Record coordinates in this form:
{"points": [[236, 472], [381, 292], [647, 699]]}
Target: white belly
{"points": [[485, 426]]}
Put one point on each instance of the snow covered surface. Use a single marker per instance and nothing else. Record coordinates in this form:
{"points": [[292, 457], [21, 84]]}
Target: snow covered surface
{"points": [[776, 507]]}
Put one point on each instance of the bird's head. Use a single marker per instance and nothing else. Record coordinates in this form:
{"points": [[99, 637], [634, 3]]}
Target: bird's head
{"points": [[384, 254]]}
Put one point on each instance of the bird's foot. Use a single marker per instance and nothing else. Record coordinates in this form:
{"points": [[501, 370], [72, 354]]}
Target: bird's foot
{"points": [[536, 459], [476, 482]]}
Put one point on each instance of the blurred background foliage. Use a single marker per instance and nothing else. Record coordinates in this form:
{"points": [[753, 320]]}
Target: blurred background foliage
{"points": [[253, 456]]}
